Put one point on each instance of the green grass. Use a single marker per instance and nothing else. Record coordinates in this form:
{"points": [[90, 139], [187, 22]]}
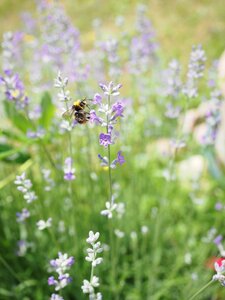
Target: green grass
{"points": [[150, 266]]}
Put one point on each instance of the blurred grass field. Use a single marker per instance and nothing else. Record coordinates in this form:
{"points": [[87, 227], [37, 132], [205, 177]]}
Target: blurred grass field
{"points": [[152, 264], [178, 23]]}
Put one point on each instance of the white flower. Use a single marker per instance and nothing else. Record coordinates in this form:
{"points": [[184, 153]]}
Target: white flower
{"points": [[110, 90], [144, 229], [119, 234], [93, 237], [56, 297], [120, 209], [87, 287], [133, 235], [110, 207], [44, 224]]}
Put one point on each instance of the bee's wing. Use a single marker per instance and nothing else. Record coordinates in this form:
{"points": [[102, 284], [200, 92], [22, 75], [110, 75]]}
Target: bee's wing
{"points": [[68, 114]]}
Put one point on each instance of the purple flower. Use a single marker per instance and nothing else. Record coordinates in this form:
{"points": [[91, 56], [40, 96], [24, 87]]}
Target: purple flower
{"points": [[97, 99], [21, 217], [51, 280], [94, 118], [105, 139], [14, 89], [69, 170], [172, 111], [218, 206], [218, 240], [61, 266], [120, 160], [118, 110]]}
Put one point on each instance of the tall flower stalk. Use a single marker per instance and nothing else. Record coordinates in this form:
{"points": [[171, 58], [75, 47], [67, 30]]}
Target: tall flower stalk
{"points": [[109, 114], [64, 96], [89, 286]]}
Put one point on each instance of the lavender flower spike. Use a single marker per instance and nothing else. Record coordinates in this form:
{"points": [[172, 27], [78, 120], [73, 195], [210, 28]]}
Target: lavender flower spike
{"points": [[69, 171], [110, 90]]}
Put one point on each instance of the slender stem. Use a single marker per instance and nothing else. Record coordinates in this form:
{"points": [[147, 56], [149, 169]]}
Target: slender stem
{"points": [[11, 271], [45, 150], [201, 290], [161, 209], [109, 157]]}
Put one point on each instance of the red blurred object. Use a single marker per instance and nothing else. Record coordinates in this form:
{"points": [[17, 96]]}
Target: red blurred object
{"points": [[211, 261]]}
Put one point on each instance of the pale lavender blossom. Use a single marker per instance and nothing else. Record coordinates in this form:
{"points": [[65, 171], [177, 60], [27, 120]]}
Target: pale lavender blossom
{"points": [[110, 89], [61, 265], [24, 185], [97, 99], [218, 240], [49, 182], [56, 297], [94, 118], [22, 216], [119, 160], [69, 171], [195, 71], [14, 89]]}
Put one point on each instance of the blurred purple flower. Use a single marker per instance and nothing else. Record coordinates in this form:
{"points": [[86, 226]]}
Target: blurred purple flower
{"points": [[69, 171], [105, 139], [218, 240]]}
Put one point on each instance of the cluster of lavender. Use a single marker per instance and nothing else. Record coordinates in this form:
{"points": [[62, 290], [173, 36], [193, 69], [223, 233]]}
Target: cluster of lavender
{"points": [[14, 89], [89, 286], [174, 87], [195, 71], [213, 117], [11, 46], [107, 116], [61, 266], [64, 97], [49, 182], [143, 48], [24, 185]]}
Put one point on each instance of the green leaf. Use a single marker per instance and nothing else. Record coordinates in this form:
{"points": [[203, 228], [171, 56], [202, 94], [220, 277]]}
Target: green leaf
{"points": [[14, 136], [10, 154], [6, 293], [16, 117], [26, 284], [48, 111]]}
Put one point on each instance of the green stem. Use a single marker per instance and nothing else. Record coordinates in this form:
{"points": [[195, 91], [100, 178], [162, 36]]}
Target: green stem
{"points": [[109, 158], [45, 150], [11, 271], [201, 290]]}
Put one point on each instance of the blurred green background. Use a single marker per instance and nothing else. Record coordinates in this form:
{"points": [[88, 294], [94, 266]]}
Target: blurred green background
{"points": [[178, 23]]}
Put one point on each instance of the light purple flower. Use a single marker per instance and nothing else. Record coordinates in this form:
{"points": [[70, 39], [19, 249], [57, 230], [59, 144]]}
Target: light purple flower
{"points": [[97, 99], [120, 160], [218, 239], [105, 139], [117, 110], [69, 171], [218, 206], [21, 217], [94, 118]]}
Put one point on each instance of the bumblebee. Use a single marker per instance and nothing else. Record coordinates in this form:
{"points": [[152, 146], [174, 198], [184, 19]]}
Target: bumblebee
{"points": [[78, 111]]}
